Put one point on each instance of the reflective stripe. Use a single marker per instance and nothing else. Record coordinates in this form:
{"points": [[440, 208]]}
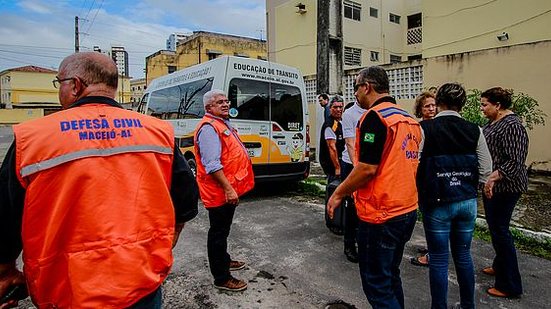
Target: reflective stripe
{"points": [[389, 111], [43, 165]]}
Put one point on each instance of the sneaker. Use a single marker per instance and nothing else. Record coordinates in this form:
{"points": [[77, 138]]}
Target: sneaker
{"points": [[236, 265], [233, 285]]}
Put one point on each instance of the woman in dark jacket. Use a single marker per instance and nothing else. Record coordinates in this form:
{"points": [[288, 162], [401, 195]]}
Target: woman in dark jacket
{"points": [[508, 143], [454, 160]]}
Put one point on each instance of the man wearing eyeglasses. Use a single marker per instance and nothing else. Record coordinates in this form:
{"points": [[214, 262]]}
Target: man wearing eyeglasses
{"points": [[95, 194], [383, 183], [224, 173]]}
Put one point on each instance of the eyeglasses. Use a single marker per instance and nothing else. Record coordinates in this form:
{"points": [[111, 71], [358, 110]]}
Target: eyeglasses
{"points": [[357, 86], [57, 82]]}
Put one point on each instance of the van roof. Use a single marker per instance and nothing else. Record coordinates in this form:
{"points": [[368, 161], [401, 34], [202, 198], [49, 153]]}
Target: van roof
{"points": [[210, 68]]}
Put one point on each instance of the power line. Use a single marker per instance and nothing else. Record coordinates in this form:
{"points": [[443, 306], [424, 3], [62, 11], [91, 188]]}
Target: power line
{"points": [[29, 54], [97, 10]]}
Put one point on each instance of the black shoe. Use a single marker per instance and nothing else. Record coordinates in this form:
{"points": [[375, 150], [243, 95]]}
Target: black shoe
{"points": [[351, 254]]}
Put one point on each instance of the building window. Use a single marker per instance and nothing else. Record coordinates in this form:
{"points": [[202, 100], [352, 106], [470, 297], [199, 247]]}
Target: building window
{"points": [[415, 21], [393, 18], [373, 12], [395, 58], [374, 56], [213, 53], [171, 69], [352, 56], [352, 10]]}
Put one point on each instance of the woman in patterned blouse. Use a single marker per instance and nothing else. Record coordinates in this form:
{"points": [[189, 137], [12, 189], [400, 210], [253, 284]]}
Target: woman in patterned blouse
{"points": [[508, 143]]}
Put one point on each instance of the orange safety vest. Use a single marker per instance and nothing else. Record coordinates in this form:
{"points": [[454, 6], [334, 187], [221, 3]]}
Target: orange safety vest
{"points": [[235, 160], [392, 192], [98, 220]]}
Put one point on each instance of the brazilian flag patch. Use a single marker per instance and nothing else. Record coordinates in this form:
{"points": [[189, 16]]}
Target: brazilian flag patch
{"points": [[369, 137]]}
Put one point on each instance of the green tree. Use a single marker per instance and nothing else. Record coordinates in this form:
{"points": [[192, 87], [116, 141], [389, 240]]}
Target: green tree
{"points": [[526, 107]]}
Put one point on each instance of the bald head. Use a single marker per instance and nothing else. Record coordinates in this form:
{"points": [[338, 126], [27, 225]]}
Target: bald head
{"points": [[92, 67]]}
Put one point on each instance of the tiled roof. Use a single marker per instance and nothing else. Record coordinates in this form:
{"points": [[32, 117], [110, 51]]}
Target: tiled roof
{"points": [[32, 68]]}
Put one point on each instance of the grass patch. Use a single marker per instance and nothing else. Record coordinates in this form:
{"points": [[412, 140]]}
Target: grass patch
{"points": [[523, 243], [311, 187]]}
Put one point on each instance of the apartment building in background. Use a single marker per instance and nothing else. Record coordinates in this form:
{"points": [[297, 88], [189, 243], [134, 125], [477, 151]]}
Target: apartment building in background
{"points": [[199, 47], [373, 32], [120, 56], [422, 43], [174, 39]]}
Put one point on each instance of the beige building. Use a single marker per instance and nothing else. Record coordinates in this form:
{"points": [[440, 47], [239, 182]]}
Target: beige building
{"points": [[478, 43], [26, 85], [373, 32], [200, 47], [137, 87]]}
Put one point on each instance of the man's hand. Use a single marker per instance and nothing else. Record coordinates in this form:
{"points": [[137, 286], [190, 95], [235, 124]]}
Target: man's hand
{"points": [[334, 202], [177, 230], [231, 196], [9, 277]]}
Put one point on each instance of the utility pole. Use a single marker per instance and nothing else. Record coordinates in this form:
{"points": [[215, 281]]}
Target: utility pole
{"points": [[77, 46]]}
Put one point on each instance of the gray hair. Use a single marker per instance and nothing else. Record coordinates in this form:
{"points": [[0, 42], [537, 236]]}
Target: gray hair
{"points": [[92, 68], [209, 96], [336, 98]]}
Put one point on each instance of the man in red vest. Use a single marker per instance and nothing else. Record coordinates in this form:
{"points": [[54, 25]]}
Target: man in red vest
{"points": [[94, 195], [224, 173], [383, 183]]}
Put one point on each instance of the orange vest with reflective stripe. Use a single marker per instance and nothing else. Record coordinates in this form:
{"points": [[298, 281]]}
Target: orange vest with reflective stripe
{"points": [[98, 220], [236, 164], [392, 192]]}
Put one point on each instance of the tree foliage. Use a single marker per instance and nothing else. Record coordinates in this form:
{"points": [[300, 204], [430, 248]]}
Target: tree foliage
{"points": [[526, 107]]}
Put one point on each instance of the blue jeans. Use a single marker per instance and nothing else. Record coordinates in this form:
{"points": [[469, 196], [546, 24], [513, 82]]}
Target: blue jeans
{"points": [[450, 225], [151, 301], [380, 250], [499, 210]]}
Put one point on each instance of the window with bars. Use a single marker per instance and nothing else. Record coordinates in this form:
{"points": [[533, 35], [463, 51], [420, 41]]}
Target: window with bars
{"points": [[352, 10], [395, 58], [352, 56], [393, 18], [374, 56]]}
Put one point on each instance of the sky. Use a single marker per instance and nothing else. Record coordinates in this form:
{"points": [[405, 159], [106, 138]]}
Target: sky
{"points": [[42, 32]]}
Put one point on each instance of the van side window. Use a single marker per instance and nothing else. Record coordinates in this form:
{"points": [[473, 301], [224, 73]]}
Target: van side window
{"points": [[181, 101], [252, 100]]}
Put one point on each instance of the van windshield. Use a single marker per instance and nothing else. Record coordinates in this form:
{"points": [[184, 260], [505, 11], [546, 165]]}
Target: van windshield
{"points": [[180, 101], [252, 100]]}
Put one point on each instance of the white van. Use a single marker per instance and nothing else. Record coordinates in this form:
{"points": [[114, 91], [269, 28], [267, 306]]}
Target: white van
{"points": [[268, 109]]}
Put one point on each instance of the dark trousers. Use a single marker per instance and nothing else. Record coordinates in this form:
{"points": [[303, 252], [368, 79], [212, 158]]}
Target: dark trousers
{"points": [[220, 219], [351, 217], [151, 301], [499, 210], [380, 249]]}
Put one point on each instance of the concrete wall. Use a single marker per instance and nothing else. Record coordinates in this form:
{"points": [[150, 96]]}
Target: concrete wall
{"points": [[451, 27], [524, 68], [293, 42], [13, 116]]}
